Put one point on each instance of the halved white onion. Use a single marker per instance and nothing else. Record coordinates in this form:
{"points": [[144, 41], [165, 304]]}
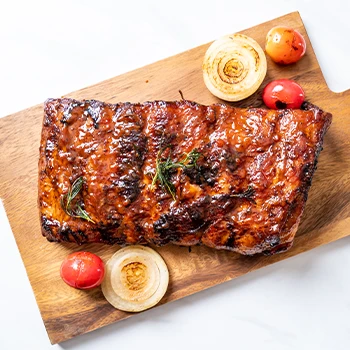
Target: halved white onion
{"points": [[136, 279], [234, 67]]}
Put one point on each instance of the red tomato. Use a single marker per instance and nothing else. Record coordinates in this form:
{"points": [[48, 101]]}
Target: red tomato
{"points": [[285, 45], [283, 93], [82, 270]]}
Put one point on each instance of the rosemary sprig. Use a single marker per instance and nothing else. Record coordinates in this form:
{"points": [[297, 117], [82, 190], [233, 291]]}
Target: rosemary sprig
{"points": [[66, 201], [165, 165], [182, 95]]}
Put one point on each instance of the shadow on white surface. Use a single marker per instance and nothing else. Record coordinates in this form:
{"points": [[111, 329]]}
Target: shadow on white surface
{"points": [[296, 272]]}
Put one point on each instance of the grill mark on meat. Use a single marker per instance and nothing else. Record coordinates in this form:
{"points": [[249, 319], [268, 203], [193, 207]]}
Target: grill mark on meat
{"points": [[203, 174], [111, 235], [210, 162], [181, 221], [68, 235], [47, 228], [115, 147]]}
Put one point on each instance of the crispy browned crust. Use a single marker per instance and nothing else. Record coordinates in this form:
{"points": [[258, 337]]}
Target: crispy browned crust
{"points": [[115, 147]]}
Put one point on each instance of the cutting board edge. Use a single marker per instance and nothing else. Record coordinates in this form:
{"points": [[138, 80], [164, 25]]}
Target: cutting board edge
{"points": [[14, 236], [337, 94], [256, 267]]}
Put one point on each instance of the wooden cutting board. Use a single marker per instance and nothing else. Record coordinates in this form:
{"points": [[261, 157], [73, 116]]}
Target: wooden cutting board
{"points": [[67, 312]]}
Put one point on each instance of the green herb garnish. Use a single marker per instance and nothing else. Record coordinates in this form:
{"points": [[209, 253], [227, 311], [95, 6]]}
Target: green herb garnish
{"points": [[75, 211], [165, 165], [182, 95]]}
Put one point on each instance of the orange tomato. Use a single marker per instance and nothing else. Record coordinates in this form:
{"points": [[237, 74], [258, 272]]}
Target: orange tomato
{"points": [[285, 45]]}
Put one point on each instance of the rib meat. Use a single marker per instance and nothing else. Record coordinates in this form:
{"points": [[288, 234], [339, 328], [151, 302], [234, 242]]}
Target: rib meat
{"points": [[246, 192]]}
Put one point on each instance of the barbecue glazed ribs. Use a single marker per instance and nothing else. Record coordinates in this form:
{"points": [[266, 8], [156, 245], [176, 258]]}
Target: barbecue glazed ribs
{"points": [[177, 172]]}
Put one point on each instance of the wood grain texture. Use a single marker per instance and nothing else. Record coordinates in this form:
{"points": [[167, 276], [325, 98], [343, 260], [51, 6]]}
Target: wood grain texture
{"points": [[68, 312]]}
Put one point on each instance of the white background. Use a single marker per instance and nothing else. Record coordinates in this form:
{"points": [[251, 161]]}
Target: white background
{"points": [[49, 48]]}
